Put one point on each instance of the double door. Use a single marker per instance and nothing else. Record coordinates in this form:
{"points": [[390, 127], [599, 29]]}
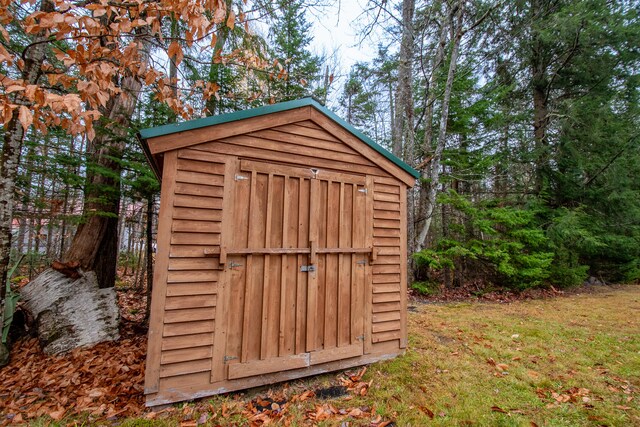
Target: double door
{"points": [[295, 264]]}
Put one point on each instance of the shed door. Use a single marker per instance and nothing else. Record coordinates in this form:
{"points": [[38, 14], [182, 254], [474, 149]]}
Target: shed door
{"points": [[295, 268]]}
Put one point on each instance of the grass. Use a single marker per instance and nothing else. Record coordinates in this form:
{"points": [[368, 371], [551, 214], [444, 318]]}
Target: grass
{"points": [[568, 361]]}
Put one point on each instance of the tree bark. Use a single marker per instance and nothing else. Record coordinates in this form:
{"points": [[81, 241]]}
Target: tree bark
{"points": [[403, 121], [95, 244], [433, 174], [12, 144]]}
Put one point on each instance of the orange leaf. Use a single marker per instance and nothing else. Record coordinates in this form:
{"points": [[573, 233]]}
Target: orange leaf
{"points": [[498, 409], [231, 20], [25, 117], [175, 52], [14, 88]]}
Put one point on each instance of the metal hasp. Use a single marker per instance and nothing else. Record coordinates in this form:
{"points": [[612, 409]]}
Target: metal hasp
{"points": [[308, 268]]}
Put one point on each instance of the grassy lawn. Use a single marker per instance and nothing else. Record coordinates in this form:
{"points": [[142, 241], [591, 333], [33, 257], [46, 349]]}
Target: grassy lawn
{"points": [[567, 361]]}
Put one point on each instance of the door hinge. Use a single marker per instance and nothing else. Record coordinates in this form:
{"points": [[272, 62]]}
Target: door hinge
{"points": [[308, 268], [241, 177], [363, 190], [228, 358], [234, 264]]}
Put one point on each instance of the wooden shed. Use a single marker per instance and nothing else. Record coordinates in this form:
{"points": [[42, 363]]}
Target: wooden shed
{"points": [[281, 250]]}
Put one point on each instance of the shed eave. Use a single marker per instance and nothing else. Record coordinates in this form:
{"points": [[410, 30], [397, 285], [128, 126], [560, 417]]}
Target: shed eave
{"points": [[172, 128]]}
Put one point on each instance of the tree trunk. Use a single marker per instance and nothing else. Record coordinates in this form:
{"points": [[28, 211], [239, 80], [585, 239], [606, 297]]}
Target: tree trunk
{"points": [[539, 82], [13, 135], [403, 122], [95, 244], [434, 170]]}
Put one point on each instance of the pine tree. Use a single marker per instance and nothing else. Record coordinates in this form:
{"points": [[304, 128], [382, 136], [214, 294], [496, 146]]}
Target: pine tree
{"points": [[290, 35]]}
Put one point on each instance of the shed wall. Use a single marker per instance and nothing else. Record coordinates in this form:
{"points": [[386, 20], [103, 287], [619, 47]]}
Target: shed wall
{"points": [[186, 282]]}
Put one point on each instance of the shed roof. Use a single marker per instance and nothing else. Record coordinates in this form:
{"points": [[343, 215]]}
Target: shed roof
{"points": [[172, 128]]}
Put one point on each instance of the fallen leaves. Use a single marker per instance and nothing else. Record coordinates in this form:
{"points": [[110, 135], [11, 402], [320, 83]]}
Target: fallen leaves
{"points": [[105, 381]]}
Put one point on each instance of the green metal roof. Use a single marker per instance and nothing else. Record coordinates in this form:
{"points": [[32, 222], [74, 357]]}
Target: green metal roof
{"points": [[269, 109]]}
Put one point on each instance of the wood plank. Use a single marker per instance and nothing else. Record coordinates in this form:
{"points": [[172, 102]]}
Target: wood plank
{"points": [[334, 233], [189, 315], [191, 301], [388, 259], [208, 263], [217, 361], [386, 297], [388, 250], [186, 354], [393, 325], [382, 288], [212, 239], [197, 214], [386, 197], [354, 142], [170, 385], [386, 316], [295, 129], [186, 201], [228, 147], [387, 223], [385, 188], [386, 232], [395, 215], [275, 135], [386, 336], [358, 275], [403, 270], [187, 289], [266, 296], [282, 331], [345, 352], [192, 276], [248, 300], [386, 206], [197, 251], [188, 328], [386, 306], [282, 170], [199, 178], [182, 368], [273, 364], [312, 279], [301, 281], [186, 341], [308, 123], [199, 189], [346, 264], [368, 288], [190, 226], [303, 150], [236, 279], [216, 160], [386, 241], [387, 181], [385, 269], [196, 136], [207, 167], [156, 323], [386, 278]]}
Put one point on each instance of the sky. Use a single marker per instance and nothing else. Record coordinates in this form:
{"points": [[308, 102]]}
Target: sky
{"points": [[335, 29]]}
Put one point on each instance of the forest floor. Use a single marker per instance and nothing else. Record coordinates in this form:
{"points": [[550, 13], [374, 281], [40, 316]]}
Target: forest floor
{"points": [[568, 360]]}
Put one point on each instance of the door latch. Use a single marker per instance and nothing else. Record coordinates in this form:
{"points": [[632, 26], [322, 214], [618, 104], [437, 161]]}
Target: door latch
{"points": [[308, 268]]}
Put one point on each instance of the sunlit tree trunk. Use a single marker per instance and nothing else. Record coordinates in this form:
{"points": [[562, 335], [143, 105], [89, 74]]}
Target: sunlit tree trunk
{"points": [[14, 133], [433, 172]]}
